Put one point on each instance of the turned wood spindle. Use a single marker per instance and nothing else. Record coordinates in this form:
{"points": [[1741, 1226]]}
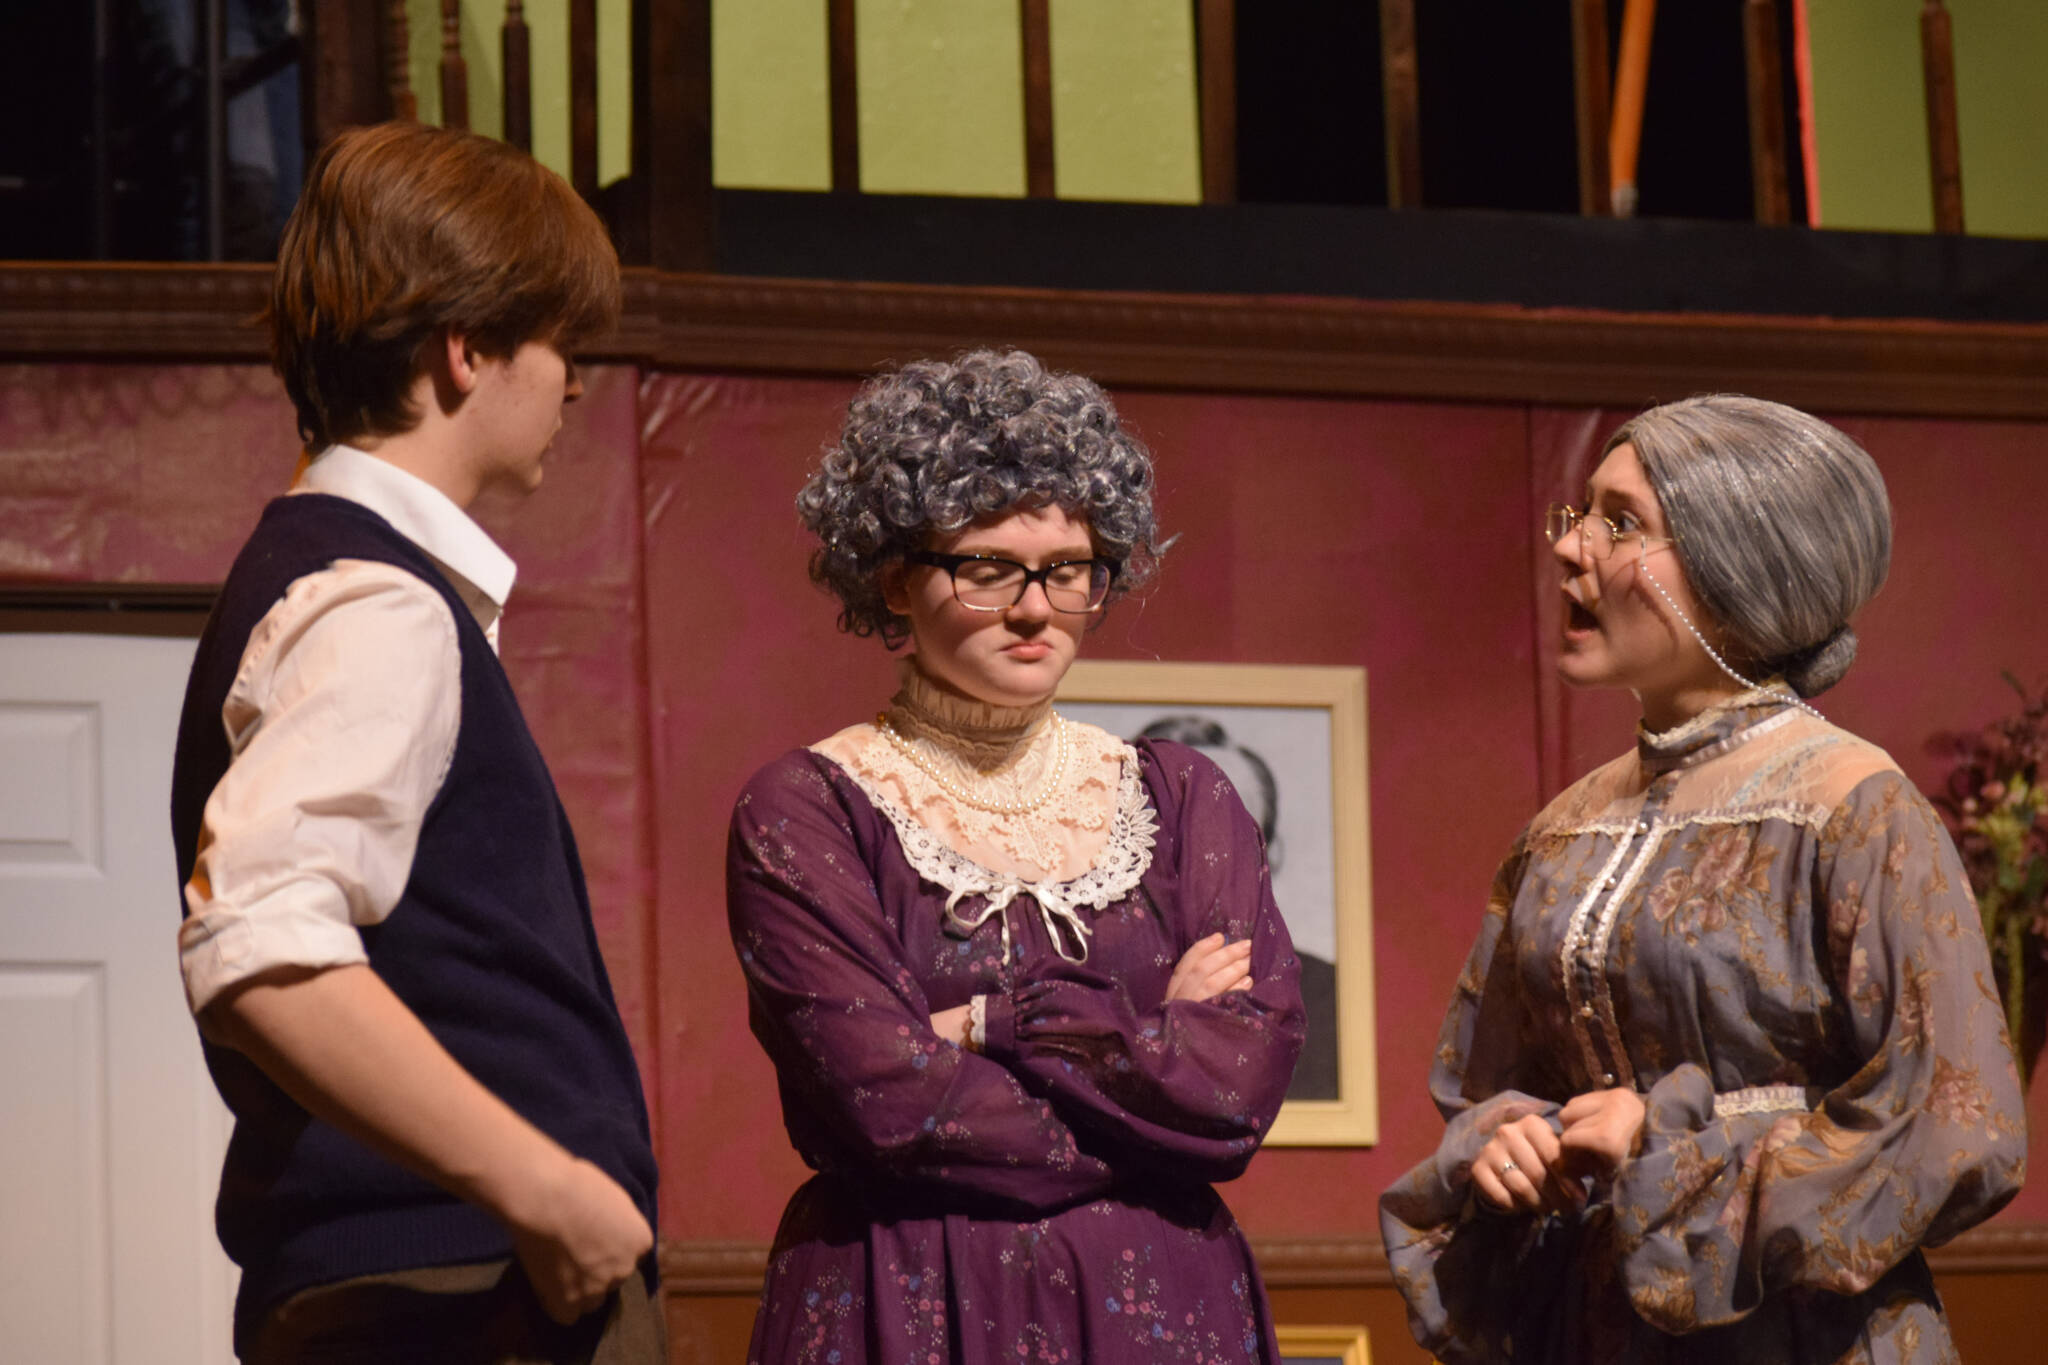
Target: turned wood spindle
{"points": [[1401, 86], [454, 75], [1765, 63], [583, 97], [1216, 79], [1944, 147], [1038, 162], [843, 77], [1590, 92], [514, 41], [397, 62]]}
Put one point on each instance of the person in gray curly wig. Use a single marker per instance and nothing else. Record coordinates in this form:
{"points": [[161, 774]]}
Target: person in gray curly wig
{"points": [[937, 444], [1023, 981]]}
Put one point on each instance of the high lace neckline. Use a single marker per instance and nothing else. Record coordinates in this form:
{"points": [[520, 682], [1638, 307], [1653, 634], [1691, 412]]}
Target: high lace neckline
{"points": [[1721, 725], [988, 738], [1076, 833]]}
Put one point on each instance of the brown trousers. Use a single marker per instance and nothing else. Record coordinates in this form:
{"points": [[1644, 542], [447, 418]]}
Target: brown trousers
{"points": [[482, 1314]]}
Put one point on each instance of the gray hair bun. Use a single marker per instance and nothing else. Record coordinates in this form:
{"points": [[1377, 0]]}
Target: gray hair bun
{"points": [[1813, 670]]}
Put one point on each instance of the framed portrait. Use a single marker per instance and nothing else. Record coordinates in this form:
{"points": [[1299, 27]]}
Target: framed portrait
{"points": [[1324, 1346], [1292, 741]]}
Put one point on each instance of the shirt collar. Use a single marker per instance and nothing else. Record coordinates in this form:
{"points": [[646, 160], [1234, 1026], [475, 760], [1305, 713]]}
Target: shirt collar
{"points": [[417, 510]]}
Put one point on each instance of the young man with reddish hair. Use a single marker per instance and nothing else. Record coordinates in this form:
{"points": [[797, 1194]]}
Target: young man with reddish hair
{"points": [[441, 1149]]}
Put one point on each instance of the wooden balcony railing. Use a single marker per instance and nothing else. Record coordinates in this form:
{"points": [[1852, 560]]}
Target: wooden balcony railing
{"points": [[353, 57]]}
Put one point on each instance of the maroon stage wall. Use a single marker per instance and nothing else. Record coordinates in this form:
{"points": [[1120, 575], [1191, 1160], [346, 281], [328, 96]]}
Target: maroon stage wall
{"points": [[666, 642]]}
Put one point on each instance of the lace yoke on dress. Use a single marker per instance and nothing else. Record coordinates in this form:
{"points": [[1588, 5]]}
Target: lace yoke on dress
{"points": [[1003, 802]]}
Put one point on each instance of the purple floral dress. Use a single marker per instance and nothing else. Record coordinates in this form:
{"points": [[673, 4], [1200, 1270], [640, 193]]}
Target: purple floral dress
{"points": [[1758, 923], [1048, 1199]]}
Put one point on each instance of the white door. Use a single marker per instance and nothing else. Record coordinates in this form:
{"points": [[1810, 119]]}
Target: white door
{"points": [[110, 1132]]}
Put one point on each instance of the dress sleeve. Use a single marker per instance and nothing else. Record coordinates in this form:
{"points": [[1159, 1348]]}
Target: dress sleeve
{"points": [[868, 1087], [1923, 1140], [1182, 1091], [1449, 1255]]}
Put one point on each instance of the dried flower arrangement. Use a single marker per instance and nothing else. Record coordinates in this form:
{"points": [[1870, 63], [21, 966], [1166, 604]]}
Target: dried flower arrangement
{"points": [[1996, 807]]}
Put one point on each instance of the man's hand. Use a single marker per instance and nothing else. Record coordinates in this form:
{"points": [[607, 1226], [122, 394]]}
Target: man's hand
{"points": [[1210, 968], [1520, 1169], [578, 1238], [1601, 1130]]}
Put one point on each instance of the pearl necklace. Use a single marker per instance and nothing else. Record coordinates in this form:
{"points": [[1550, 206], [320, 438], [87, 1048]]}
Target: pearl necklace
{"points": [[994, 806]]}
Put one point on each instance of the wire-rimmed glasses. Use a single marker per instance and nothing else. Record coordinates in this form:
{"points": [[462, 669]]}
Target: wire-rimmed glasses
{"points": [[1596, 533], [986, 583]]}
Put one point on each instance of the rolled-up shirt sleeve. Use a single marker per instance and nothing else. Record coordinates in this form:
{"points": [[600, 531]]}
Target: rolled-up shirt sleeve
{"points": [[342, 720]]}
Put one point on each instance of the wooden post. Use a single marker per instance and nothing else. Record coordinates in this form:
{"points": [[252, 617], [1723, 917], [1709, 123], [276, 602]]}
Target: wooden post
{"points": [[1589, 103], [667, 221], [354, 68], [583, 97], [1631, 83], [1216, 58], [213, 151], [398, 62], [513, 42], [1038, 164], [1401, 82], [454, 74], [843, 84], [98, 149], [1944, 148], [1766, 67]]}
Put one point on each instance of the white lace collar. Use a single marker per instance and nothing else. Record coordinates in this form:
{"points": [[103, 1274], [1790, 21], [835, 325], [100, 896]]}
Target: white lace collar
{"points": [[1003, 803]]}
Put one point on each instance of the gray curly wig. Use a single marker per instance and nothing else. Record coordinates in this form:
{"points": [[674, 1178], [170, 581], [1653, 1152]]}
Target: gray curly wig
{"points": [[1782, 523], [935, 445]]}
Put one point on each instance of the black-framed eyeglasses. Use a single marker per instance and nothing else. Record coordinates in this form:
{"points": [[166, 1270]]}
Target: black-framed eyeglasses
{"points": [[985, 583], [1596, 533]]}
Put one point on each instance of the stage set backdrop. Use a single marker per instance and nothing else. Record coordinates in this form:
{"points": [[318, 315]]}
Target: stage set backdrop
{"points": [[665, 642], [1356, 487]]}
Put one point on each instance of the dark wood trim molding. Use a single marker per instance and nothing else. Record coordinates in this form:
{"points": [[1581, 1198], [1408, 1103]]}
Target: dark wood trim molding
{"points": [[705, 1269], [162, 609], [1220, 343]]}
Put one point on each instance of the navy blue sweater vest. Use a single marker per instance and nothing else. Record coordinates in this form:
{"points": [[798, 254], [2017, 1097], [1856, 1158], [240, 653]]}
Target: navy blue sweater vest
{"points": [[491, 945]]}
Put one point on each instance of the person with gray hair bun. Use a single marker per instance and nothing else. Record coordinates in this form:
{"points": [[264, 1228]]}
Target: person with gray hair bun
{"points": [[1024, 985], [1724, 1058]]}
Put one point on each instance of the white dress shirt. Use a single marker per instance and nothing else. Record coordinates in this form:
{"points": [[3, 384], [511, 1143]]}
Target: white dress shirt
{"points": [[341, 720]]}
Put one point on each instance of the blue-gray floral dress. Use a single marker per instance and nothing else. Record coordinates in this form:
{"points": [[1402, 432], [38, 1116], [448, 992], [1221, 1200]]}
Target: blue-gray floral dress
{"points": [[1759, 924]]}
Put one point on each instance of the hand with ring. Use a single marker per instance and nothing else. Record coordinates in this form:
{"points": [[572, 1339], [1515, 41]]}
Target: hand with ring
{"points": [[1520, 1169]]}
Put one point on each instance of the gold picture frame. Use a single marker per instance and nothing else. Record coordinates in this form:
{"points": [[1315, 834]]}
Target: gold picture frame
{"points": [[1313, 720], [1345, 1345]]}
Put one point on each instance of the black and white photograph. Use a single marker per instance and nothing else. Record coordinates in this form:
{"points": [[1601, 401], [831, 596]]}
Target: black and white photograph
{"points": [[1275, 733]]}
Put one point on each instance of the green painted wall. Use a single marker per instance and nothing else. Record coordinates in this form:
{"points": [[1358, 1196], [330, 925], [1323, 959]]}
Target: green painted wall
{"points": [[1870, 126], [1126, 118], [547, 22], [941, 96], [2002, 107], [771, 112], [941, 93]]}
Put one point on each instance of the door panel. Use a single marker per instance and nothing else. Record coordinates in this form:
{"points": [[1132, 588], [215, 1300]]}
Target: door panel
{"points": [[110, 1153]]}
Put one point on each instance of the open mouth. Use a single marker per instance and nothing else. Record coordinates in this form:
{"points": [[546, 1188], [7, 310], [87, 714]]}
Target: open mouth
{"points": [[1577, 618]]}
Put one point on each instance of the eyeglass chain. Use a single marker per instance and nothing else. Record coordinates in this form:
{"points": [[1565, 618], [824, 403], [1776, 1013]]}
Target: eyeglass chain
{"points": [[1019, 806], [1712, 653]]}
